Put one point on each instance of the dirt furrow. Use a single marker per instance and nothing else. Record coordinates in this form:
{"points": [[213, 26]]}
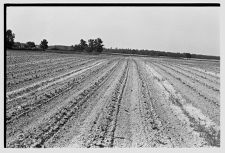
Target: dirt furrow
{"points": [[206, 90], [30, 90], [37, 65], [201, 73], [198, 77], [210, 73], [47, 129], [74, 136], [26, 59], [41, 108], [151, 121], [206, 66], [36, 85], [208, 108], [123, 133], [172, 123], [98, 101], [27, 76], [101, 132], [202, 126], [28, 79], [27, 106], [201, 91]]}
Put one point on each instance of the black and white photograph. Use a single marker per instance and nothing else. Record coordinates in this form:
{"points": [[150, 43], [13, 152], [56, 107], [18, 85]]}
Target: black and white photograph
{"points": [[112, 75]]}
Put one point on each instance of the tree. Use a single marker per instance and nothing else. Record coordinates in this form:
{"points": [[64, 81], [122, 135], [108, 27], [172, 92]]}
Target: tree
{"points": [[91, 45], [44, 44], [187, 55], [17, 45], [30, 44], [95, 45], [83, 44], [9, 39], [76, 47], [98, 46]]}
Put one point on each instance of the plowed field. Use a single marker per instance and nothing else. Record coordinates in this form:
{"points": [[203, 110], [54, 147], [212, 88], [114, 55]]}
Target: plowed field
{"points": [[72, 100]]}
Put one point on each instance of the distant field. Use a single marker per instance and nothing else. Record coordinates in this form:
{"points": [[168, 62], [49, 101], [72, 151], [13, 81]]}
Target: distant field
{"points": [[78, 100]]}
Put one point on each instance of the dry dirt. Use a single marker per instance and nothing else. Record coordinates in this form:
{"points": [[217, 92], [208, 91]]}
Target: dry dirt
{"points": [[110, 101]]}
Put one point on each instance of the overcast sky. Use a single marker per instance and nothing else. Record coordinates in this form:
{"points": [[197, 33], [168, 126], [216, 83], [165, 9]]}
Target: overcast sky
{"points": [[175, 29]]}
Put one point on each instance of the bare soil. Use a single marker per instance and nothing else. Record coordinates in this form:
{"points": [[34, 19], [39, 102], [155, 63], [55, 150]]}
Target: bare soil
{"points": [[110, 101]]}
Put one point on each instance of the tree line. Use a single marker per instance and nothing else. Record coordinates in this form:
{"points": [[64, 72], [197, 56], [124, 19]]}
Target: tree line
{"points": [[93, 45], [10, 44], [159, 53], [96, 45]]}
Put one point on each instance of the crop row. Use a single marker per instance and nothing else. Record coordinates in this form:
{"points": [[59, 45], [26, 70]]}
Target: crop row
{"points": [[75, 105], [47, 72], [42, 71], [192, 117], [209, 107], [28, 103], [13, 72], [102, 132], [192, 85], [31, 57], [150, 119]]}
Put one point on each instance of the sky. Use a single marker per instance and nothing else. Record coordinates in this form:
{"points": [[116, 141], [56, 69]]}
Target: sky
{"points": [[174, 29]]}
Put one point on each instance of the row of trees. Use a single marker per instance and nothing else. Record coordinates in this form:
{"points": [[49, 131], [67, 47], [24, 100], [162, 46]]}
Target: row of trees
{"points": [[28, 45], [148, 52], [10, 44], [94, 45], [159, 53]]}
